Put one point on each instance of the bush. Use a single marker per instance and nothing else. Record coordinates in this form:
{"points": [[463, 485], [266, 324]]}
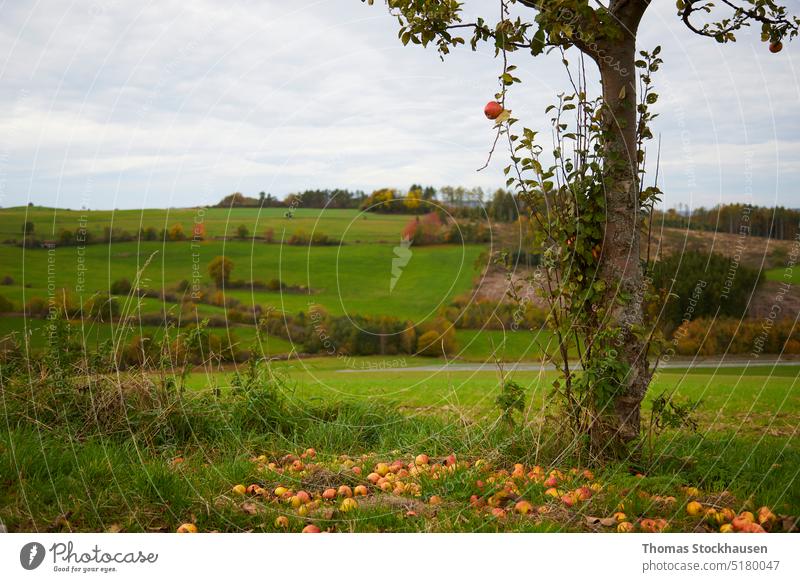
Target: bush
{"points": [[5, 305], [702, 284], [121, 287], [471, 313], [708, 337], [302, 238]]}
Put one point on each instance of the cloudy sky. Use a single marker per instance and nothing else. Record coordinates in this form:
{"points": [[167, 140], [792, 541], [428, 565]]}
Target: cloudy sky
{"points": [[120, 104]]}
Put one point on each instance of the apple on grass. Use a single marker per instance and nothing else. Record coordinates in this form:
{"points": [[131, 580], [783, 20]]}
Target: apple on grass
{"points": [[695, 508], [282, 521], [523, 507]]}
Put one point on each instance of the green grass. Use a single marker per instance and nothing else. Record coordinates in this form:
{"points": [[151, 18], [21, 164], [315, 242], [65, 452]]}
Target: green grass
{"points": [[511, 346], [348, 225], [350, 279], [780, 274], [749, 399], [745, 445], [92, 334]]}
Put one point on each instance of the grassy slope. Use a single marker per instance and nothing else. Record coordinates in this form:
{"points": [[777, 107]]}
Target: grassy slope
{"points": [[349, 225], [351, 279]]}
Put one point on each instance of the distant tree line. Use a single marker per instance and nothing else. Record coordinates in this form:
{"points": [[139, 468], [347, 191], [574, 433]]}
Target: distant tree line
{"points": [[327, 198], [773, 222], [457, 201]]}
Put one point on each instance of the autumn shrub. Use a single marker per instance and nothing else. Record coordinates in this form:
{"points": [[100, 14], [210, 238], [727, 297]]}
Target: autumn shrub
{"points": [[709, 337]]}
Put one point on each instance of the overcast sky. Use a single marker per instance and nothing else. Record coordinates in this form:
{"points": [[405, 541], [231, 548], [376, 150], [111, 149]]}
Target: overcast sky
{"points": [[118, 104]]}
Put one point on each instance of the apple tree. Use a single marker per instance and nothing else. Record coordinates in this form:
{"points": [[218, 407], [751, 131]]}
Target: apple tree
{"points": [[592, 205]]}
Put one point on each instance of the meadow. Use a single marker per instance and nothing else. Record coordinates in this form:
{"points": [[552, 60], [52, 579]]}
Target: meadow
{"points": [[96, 448], [349, 226], [742, 455], [351, 279]]}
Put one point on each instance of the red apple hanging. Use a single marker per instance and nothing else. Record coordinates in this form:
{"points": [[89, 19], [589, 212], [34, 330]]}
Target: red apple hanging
{"points": [[776, 46], [493, 110]]}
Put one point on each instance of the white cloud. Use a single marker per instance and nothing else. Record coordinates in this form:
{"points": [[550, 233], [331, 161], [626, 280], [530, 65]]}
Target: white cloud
{"points": [[171, 101]]}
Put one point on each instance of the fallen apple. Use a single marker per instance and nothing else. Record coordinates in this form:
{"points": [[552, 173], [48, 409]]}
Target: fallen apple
{"points": [[239, 489], [422, 459], [348, 504], [625, 527], [345, 491], [766, 517], [694, 508], [523, 507], [311, 528], [498, 512], [187, 528], [282, 521], [360, 491]]}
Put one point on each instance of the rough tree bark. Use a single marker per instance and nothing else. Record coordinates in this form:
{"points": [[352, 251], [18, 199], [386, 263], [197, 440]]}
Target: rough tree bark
{"points": [[621, 267]]}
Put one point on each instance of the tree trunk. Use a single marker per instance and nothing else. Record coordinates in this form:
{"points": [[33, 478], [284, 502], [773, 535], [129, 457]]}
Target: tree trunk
{"points": [[620, 266]]}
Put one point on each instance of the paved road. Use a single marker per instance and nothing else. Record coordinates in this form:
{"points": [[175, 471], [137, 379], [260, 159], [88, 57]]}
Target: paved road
{"points": [[530, 367]]}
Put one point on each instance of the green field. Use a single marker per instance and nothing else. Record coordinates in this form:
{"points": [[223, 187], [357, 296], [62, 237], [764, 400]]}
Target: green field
{"points": [[122, 430], [743, 455], [352, 279], [350, 226], [472, 345], [783, 276], [754, 396]]}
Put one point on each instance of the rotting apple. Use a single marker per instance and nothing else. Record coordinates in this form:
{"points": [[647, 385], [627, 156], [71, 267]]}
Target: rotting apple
{"points": [[281, 521], [625, 527]]}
